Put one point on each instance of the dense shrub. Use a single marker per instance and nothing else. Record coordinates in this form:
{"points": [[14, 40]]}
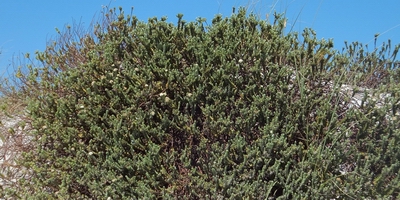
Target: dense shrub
{"points": [[236, 109]]}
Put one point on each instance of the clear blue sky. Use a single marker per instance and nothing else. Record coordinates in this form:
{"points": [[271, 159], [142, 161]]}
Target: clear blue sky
{"points": [[26, 26]]}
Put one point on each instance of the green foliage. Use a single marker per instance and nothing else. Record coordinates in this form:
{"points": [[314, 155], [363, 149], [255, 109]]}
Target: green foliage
{"points": [[237, 109]]}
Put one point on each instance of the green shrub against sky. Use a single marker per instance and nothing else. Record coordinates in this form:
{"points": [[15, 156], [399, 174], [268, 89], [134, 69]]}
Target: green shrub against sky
{"points": [[234, 109]]}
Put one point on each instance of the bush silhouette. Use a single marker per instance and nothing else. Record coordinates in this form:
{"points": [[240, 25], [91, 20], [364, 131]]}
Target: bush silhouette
{"points": [[236, 109]]}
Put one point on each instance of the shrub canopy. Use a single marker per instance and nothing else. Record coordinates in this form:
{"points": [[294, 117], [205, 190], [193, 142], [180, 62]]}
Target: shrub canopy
{"points": [[235, 109]]}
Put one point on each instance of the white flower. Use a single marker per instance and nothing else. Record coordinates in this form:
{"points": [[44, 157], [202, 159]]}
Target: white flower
{"points": [[162, 94], [240, 60], [90, 153]]}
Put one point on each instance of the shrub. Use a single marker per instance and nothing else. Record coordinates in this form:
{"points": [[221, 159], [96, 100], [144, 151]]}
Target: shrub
{"points": [[237, 109]]}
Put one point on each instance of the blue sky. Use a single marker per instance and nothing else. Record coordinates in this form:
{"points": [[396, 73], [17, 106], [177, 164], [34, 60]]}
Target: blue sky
{"points": [[26, 26]]}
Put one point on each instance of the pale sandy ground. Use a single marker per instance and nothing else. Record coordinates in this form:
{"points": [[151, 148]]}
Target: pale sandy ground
{"points": [[12, 143]]}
